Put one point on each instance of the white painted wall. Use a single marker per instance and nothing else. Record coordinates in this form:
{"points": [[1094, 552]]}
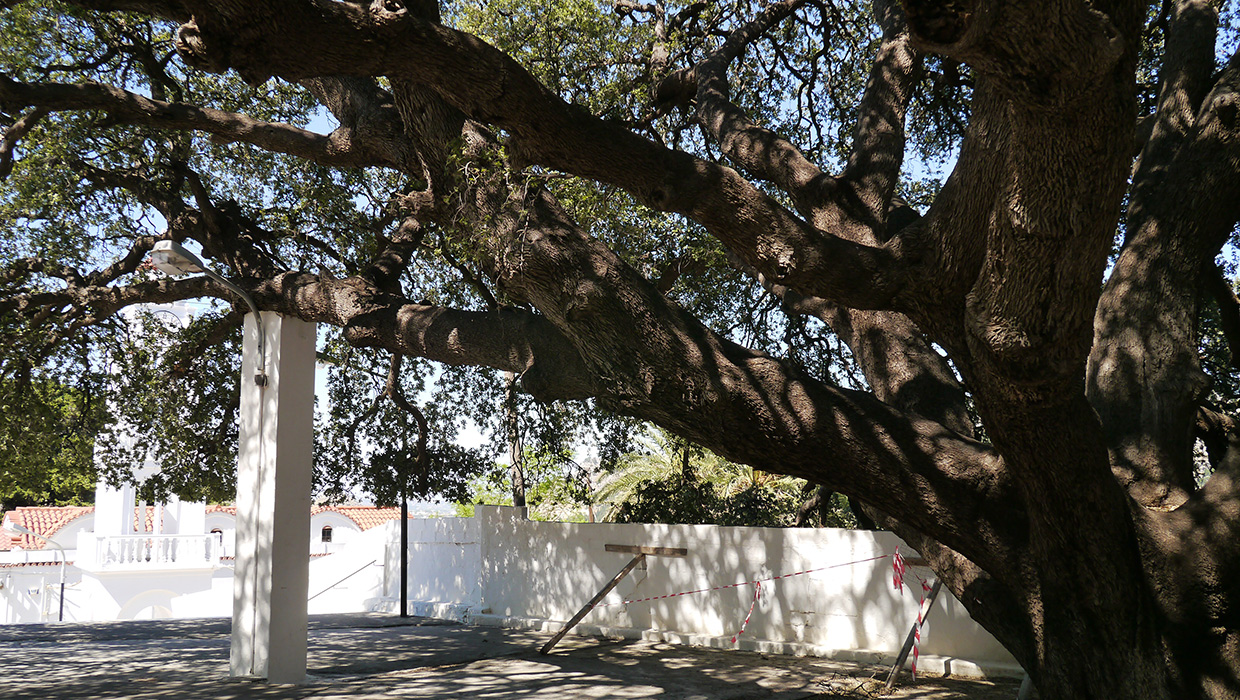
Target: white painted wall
{"points": [[445, 561], [352, 579], [226, 523], [510, 571], [344, 530]]}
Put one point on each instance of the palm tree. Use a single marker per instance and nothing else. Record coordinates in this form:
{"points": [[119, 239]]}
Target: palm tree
{"points": [[663, 457]]}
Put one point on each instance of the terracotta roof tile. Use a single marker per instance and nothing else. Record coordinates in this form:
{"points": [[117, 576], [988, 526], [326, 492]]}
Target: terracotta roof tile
{"points": [[366, 517], [44, 520], [47, 520]]}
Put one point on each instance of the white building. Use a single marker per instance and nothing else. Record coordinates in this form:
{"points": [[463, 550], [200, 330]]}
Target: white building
{"points": [[129, 560]]}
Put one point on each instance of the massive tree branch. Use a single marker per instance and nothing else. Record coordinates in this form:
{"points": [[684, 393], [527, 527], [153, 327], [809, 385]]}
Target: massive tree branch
{"points": [[660, 364], [1144, 376], [506, 339], [337, 149], [1188, 61], [873, 168], [488, 86]]}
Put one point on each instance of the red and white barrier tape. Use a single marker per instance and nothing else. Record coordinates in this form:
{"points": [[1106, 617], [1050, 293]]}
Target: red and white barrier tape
{"points": [[742, 583], [757, 593], [899, 569], [921, 604]]}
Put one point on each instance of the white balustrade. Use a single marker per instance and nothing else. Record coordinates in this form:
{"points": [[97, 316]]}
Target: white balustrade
{"points": [[155, 552]]}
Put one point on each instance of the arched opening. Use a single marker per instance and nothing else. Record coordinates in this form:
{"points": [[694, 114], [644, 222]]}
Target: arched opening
{"points": [[327, 534]]}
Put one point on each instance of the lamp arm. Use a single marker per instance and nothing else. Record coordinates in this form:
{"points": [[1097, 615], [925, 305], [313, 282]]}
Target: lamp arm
{"points": [[260, 378]]}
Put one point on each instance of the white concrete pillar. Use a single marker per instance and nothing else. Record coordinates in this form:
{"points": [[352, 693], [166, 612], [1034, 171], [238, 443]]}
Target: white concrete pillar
{"points": [[274, 459], [110, 511], [191, 518]]}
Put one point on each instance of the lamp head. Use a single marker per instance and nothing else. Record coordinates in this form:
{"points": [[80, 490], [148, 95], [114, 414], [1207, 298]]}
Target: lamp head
{"points": [[18, 528], [174, 259]]}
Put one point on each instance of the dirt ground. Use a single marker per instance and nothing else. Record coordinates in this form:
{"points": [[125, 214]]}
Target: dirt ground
{"points": [[858, 685], [372, 656]]}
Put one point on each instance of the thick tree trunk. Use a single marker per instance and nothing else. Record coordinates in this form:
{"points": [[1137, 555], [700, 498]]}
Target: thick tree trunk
{"points": [[516, 450]]}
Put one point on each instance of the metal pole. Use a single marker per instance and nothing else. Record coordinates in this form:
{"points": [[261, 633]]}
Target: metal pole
{"points": [[61, 617], [63, 561], [404, 554]]}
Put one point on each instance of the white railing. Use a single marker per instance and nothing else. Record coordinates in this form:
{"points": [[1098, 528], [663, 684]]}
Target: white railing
{"points": [[154, 552]]}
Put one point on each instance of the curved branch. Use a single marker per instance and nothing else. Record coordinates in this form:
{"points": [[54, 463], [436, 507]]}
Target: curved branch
{"points": [[1224, 295], [397, 394], [15, 133], [757, 149], [873, 168], [1144, 377], [506, 339], [1188, 61], [336, 150], [863, 192]]}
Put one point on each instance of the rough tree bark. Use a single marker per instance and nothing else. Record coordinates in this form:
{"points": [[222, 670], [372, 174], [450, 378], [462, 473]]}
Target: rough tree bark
{"points": [[1076, 534]]}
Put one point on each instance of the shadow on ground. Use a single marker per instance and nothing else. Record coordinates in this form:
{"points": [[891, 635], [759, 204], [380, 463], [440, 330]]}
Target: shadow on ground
{"points": [[380, 656]]}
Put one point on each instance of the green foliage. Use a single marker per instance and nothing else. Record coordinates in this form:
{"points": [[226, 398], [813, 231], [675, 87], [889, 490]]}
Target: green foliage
{"points": [[556, 488], [46, 443], [175, 396], [575, 47], [671, 481], [367, 446], [688, 501]]}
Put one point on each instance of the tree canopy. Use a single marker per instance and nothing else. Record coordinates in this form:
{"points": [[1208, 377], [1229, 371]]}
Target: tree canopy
{"points": [[958, 260]]}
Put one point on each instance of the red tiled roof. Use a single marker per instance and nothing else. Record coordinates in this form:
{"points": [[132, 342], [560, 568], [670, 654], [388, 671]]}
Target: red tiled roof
{"points": [[366, 517], [44, 520], [47, 520]]}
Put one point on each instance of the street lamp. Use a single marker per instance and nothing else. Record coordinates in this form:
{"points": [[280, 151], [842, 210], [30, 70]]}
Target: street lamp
{"points": [[174, 259], [57, 545]]}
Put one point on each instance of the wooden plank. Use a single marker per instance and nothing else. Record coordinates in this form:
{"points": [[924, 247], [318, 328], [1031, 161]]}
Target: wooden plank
{"points": [[649, 551], [593, 601]]}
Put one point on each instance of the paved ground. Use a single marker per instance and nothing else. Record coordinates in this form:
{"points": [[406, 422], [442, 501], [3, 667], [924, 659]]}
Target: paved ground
{"points": [[372, 656]]}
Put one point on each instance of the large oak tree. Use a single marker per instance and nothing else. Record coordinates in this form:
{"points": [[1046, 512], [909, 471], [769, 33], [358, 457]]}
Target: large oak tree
{"points": [[1032, 392]]}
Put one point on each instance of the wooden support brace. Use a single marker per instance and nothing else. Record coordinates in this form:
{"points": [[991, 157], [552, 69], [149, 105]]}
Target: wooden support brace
{"points": [[908, 641], [593, 601], [651, 551], [642, 552]]}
